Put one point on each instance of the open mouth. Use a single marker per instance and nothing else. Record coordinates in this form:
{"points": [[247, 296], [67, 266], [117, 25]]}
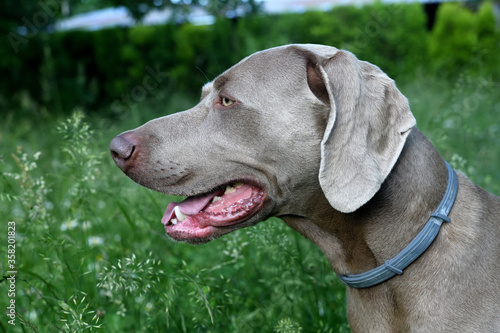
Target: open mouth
{"points": [[202, 216]]}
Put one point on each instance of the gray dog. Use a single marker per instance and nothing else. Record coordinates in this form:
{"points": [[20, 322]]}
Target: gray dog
{"points": [[328, 143]]}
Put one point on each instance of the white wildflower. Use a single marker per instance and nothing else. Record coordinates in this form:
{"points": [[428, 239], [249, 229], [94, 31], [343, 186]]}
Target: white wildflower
{"points": [[69, 225], [95, 241], [86, 225]]}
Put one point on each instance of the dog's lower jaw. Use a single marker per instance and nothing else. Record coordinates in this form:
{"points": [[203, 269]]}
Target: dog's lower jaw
{"points": [[217, 232]]}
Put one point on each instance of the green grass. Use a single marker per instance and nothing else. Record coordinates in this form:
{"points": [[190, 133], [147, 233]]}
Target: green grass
{"points": [[91, 253]]}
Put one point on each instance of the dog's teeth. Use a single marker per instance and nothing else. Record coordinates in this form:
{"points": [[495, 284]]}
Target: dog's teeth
{"points": [[216, 198], [173, 221], [229, 189], [180, 216], [238, 184]]}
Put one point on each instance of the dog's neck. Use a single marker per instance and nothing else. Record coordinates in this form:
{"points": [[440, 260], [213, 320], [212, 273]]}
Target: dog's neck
{"points": [[360, 241]]}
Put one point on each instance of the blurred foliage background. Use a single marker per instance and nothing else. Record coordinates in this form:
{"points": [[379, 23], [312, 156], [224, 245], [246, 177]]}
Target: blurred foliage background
{"points": [[91, 69]]}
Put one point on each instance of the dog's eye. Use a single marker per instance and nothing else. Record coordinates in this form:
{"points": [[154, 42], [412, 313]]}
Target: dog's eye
{"points": [[226, 101]]}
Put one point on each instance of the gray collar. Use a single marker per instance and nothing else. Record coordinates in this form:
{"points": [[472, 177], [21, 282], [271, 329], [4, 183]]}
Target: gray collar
{"points": [[416, 247]]}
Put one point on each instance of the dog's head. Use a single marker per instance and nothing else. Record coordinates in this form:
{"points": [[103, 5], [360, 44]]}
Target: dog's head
{"points": [[266, 135]]}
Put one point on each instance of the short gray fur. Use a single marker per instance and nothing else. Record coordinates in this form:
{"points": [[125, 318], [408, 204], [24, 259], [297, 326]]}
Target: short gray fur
{"points": [[417, 246]]}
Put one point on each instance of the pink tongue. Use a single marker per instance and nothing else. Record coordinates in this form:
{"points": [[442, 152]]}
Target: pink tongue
{"points": [[190, 206]]}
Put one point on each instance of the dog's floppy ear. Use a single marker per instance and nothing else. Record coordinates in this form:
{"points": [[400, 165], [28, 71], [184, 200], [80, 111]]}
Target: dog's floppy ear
{"points": [[367, 127]]}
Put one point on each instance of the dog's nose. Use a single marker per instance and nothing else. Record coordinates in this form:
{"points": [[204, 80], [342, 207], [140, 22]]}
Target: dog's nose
{"points": [[123, 147]]}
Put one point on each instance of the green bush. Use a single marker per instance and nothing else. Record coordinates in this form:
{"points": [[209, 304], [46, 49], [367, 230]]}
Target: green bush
{"points": [[454, 39], [488, 39], [464, 40], [96, 69], [394, 37]]}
